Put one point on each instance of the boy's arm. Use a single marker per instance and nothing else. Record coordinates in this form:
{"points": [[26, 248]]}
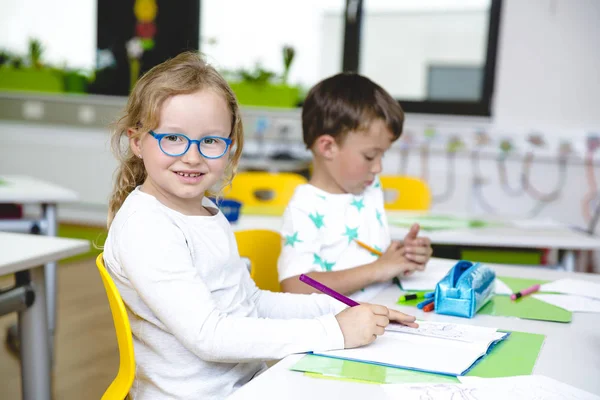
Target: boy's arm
{"points": [[346, 281], [390, 264]]}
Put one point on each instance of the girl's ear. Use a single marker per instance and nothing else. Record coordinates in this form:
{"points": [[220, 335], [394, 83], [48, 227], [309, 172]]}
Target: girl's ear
{"points": [[326, 146], [135, 142]]}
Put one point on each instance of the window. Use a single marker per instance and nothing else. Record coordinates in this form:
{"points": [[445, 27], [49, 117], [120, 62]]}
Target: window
{"points": [[436, 56]]}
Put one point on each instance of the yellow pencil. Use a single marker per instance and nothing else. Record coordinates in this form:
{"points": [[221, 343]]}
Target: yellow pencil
{"points": [[367, 247]]}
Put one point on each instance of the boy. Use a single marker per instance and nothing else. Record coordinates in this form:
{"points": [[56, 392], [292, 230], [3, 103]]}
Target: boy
{"points": [[348, 123]]}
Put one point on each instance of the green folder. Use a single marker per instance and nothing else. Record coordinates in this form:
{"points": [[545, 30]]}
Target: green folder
{"points": [[526, 307], [515, 355]]}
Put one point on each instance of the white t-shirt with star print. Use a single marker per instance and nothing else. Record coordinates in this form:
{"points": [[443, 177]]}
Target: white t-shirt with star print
{"points": [[319, 229]]}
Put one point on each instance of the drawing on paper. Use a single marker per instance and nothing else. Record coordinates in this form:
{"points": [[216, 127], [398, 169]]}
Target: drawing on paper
{"points": [[440, 330]]}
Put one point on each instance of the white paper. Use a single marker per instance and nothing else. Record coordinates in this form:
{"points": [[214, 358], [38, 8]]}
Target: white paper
{"points": [[424, 352], [573, 286], [571, 302], [502, 288], [435, 270], [515, 388]]}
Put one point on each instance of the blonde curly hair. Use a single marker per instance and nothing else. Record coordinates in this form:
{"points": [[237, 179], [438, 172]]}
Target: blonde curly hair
{"points": [[184, 74]]}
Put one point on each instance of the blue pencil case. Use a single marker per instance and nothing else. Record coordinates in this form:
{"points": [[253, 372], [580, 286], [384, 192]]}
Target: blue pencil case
{"points": [[465, 289]]}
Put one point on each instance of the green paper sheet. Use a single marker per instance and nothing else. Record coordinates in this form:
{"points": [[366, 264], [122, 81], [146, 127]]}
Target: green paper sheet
{"points": [[437, 222], [516, 355], [526, 307], [356, 371]]}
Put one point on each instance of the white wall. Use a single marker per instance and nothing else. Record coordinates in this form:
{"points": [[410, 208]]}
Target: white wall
{"points": [[548, 71]]}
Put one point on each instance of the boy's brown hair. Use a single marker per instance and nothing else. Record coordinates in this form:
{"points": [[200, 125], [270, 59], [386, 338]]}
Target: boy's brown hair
{"points": [[348, 102]]}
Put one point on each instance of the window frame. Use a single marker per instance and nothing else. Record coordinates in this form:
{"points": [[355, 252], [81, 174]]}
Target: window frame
{"points": [[482, 107]]}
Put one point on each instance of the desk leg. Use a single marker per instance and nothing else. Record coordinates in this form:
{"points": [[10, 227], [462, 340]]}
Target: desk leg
{"points": [[568, 260], [35, 343], [49, 214]]}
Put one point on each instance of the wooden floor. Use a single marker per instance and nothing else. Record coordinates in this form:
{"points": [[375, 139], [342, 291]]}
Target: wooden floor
{"points": [[87, 358]]}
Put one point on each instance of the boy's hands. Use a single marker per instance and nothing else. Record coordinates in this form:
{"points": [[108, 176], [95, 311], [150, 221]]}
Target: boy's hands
{"points": [[362, 324], [417, 249], [405, 257]]}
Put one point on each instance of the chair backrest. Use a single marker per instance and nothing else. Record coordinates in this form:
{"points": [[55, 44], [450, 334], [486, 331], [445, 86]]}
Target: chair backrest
{"points": [[120, 386], [405, 193], [262, 248], [264, 189]]}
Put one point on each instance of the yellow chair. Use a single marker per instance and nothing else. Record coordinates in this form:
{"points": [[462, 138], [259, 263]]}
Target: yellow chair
{"points": [[262, 248], [119, 388], [405, 193], [264, 192]]}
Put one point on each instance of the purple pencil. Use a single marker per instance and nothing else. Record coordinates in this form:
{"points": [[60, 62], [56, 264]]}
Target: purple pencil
{"points": [[328, 291]]}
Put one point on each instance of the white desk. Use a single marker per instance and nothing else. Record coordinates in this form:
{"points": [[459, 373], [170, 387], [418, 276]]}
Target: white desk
{"points": [[27, 190], [543, 234], [20, 253], [571, 352]]}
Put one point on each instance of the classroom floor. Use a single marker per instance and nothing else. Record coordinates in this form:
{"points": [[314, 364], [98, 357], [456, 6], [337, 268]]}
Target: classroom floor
{"points": [[87, 357]]}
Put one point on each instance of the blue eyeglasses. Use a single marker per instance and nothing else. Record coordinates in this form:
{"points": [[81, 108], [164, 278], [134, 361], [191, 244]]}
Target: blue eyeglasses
{"points": [[177, 144]]}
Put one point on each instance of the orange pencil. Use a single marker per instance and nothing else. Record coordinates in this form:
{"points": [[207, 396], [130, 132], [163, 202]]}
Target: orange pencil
{"points": [[367, 247], [372, 250]]}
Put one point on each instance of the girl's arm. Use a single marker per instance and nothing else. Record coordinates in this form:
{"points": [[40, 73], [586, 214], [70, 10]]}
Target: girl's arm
{"points": [[156, 260]]}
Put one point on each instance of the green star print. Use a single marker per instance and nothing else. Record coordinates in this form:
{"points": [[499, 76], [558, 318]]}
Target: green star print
{"points": [[358, 204], [317, 219], [377, 184], [352, 233], [378, 214], [327, 266], [322, 263], [292, 239], [321, 197]]}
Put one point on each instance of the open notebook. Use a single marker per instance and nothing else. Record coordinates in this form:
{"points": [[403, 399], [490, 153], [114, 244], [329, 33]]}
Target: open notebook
{"points": [[438, 347]]}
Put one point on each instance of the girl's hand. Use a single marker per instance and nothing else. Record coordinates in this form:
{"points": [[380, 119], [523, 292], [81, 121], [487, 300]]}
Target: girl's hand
{"points": [[362, 324]]}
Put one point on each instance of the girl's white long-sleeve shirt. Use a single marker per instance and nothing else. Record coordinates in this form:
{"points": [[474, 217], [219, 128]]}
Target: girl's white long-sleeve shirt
{"points": [[201, 327]]}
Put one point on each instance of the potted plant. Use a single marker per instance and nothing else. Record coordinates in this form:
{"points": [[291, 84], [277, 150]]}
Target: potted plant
{"points": [[33, 75], [261, 87]]}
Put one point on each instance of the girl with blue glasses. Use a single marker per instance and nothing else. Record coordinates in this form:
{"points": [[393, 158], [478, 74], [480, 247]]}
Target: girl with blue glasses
{"points": [[177, 144], [201, 328]]}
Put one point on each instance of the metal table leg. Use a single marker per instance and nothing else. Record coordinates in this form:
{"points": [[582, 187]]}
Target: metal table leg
{"points": [[49, 214], [35, 343]]}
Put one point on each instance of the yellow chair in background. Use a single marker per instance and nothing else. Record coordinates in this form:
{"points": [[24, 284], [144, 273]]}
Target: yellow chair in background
{"points": [[264, 192], [262, 248], [405, 193], [119, 388]]}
